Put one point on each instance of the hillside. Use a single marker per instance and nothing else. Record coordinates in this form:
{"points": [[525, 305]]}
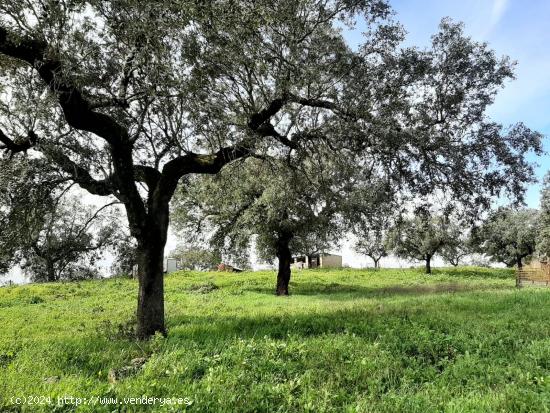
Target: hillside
{"points": [[461, 340]]}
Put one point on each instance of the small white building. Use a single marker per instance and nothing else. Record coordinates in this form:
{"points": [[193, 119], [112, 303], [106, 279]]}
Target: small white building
{"points": [[317, 261], [171, 265]]}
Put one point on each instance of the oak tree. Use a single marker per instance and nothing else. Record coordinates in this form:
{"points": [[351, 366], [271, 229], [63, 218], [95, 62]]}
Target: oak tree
{"points": [[508, 235], [286, 210], [543, 231], [420, 237], [45, 228]]}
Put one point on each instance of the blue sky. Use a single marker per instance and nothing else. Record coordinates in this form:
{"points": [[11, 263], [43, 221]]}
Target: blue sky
{"points": [[517, 28]]}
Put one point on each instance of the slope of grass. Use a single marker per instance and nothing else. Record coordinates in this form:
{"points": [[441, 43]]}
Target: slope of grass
{"points": [[461, 340]]}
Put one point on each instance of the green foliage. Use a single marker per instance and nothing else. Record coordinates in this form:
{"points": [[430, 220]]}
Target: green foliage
{"points": [[421, 237], [464, 340], [45, 228], [266, 199], [125, 256], [458, 244], [508, 236], [371, 214], [543, 237], [196, 257]]}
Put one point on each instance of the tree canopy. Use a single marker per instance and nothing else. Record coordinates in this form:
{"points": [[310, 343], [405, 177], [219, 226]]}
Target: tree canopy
{"points": [[370, 212], [421, 237], [508, 236], [196, 257], [45, 229], [286, 210], [543, 237]]}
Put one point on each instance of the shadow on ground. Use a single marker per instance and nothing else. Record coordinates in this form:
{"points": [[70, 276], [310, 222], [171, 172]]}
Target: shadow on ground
{"points": [[339, 292], [364, 320]]}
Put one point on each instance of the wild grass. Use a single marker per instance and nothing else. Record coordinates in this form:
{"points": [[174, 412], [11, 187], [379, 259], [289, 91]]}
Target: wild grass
{"points": [[460, 340]]}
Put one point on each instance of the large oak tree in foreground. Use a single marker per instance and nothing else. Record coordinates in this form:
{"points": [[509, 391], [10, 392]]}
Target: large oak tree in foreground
{"points": [[127, 97]]}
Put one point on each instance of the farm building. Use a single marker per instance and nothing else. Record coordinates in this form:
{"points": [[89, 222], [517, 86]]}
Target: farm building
{"points": [[317, 261], [171, 265]]}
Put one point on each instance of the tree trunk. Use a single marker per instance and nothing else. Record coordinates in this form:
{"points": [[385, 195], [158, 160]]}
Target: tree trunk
{"points": [[428, 264], [519, 262], [285, 257], [150, 310], [376, 263], [151, 243], [50, 271]]}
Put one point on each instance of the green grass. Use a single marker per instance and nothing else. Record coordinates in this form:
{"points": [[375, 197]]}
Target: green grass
{"points": [[461, 340]]}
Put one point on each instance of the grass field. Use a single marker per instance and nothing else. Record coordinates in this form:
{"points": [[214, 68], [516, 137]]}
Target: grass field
{"points": [[461, 340]]}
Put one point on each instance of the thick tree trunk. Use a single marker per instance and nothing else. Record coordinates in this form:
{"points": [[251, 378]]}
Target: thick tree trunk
{"points": [[50, 271], [151, 243], [519, 262], [150, 310], [428, 264], [285, 257], [376, 263]]}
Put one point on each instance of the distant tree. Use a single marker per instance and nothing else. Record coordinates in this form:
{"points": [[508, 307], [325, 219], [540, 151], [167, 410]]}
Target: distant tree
{"points": [[69, 243], [196, 257], [286, 209], [458, 245], [371, 212], [455, 251], [543, 237], [48, 232], [23, 202], [508, 236], [421, 237], [373, 244], [125, 256]]}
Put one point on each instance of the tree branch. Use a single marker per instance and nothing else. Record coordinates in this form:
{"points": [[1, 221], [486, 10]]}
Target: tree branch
{"points": [[78, 174], [79, 114], [76, 108], [193, 163], [17, 146], [147, 174], [263, 116]]}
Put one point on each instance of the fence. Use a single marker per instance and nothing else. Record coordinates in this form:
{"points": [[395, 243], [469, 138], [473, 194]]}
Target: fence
{"points": [[533, 276]]}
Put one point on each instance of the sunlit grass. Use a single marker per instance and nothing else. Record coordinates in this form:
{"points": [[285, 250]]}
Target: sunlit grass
{"points": [[460, 340]]}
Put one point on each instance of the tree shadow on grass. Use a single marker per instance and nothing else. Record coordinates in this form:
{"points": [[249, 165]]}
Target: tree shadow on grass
{"points": [[342, 292], [378, 322], [218, 328], [367, 320]]}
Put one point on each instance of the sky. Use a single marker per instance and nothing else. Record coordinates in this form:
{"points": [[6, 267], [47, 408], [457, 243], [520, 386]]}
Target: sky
{"points": [[516, 28]]}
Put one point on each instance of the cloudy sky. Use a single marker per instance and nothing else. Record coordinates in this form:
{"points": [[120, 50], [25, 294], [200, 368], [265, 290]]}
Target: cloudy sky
{"points": [[517, 28]]}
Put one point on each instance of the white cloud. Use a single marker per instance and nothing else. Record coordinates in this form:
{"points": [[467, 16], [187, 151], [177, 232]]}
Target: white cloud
{"points": [[497, 11]]}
